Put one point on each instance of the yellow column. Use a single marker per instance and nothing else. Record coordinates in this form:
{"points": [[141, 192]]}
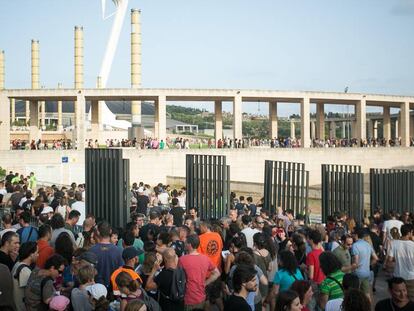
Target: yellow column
{"points": [[305, 123], [405, 124], [273, 119], [237, 117], [218, 125], [136, 64], [78, 57], [34, 133]]}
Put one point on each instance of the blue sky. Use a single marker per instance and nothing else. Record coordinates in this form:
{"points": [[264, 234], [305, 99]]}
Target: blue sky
{"points": [[264, 44]]}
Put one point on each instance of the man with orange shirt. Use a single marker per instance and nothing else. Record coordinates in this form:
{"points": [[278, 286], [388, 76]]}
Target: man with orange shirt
{"points": [[211, 245], [130, 256], [45, 250]]}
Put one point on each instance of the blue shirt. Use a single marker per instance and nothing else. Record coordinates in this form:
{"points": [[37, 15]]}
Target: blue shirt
{"points": [[27, 234], [363, 250], [109, 259], [285, 279]]}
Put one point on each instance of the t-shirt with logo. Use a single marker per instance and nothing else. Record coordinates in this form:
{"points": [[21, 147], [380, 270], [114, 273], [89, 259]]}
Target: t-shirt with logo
{"points": [[211, 245]]}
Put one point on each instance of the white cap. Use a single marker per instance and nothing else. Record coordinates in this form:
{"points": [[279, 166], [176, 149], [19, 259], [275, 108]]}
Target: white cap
{"points": [[47, 210], [140, 190], [97, 290]]}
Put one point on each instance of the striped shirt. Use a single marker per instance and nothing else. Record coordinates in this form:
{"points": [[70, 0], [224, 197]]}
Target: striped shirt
{"points": [[330, 287]]}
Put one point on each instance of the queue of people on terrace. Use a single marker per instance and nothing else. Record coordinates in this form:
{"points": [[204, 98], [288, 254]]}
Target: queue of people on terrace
{"points": [[55, 256]]}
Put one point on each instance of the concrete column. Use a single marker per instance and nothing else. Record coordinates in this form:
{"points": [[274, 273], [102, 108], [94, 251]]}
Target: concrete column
{"points": [[96, 114], [305, 123], [320, 120], [160, 124], [27, 112], [59, 111], [42, 115], [397, 128], [313, 130], [237, 117], [78, 57], [405, 124], [13, 110], [292, 129], [399, 124], [332, 129], [136, 64], [79, 132], [412, 126], [375, 129], [386, 123], [354, 129], [360, 109], [34, 133], [273, 120], [218, 124], [370, 129], [4, 122], [2, 71], [343, 130]]}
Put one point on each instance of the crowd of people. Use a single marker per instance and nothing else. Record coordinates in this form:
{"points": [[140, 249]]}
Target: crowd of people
{"points": [[55, 256]]}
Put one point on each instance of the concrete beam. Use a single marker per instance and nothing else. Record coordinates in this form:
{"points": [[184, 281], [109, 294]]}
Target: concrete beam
{"points": [[237, 117], [305, 123], [405, 124], [320, 121], [273, 126], [218, 124], [386, 123], [4, 123], [360, 109]]}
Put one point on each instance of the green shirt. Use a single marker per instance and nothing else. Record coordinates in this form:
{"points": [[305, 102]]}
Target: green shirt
{"points": [[343, 255], [330, 287]]}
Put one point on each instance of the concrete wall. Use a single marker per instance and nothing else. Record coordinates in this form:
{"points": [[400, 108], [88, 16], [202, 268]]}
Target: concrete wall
{"points": [[153, 166]]}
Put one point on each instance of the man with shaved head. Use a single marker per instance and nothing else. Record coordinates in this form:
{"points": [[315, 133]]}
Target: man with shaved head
{"points": [[163, 281]]}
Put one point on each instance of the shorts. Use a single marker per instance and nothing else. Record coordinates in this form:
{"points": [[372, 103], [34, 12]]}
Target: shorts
{"points": [[364, 285], [214, 290]]}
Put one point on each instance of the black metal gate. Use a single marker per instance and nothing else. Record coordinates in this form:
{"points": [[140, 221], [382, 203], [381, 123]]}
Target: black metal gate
{"points": [[342, 191], [208, 185], [286, 184], [107, 185], [392, 190]]}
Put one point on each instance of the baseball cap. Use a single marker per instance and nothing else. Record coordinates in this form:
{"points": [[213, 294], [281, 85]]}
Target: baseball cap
{"points": [[59, 303], [97, 290], [131, 252], [89, 257], [47, 210], [140, 190]]}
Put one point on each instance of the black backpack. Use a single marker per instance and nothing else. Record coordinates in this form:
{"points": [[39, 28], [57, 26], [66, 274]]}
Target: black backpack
{"points": [[179, 281]]}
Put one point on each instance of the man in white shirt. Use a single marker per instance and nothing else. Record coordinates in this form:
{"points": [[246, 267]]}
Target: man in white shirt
{"points": [[389, 224], [248, 231], [402, 253], [79, 206]]}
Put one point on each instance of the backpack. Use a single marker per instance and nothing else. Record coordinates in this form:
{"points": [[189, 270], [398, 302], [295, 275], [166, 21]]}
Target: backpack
{"points": [[18, 270], [36, 286], [179, 281], [151, 303]]}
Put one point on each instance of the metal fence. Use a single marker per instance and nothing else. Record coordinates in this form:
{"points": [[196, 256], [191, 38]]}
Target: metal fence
{"points": [[286, 184], [107, 185], [392, 190], [342, 191], [208, 185]]}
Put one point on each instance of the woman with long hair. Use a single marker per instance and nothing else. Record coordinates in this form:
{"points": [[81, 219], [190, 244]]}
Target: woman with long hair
{"points": [[355, 300], [64, 247], [129, 287], [288, 301]]}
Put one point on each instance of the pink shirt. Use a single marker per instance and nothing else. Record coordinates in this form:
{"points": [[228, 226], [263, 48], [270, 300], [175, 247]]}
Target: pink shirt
{"points": [[197, 268], [313, 260]]}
